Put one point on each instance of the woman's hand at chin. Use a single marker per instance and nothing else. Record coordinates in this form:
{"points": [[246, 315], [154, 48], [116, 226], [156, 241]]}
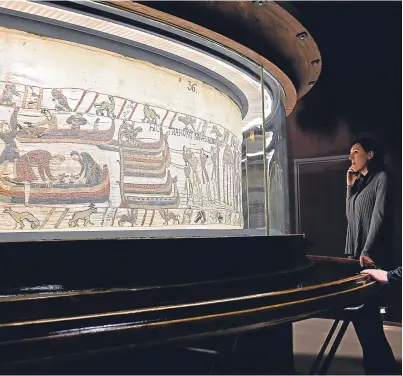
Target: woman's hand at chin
{"points": [[351, 176]]}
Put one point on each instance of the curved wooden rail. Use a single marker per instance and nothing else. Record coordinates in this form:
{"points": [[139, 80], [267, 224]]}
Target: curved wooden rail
{"points": [[174, 313]]}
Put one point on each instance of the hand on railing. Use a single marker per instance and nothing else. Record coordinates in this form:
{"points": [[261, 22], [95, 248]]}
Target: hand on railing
{"points": [[364, 260], [377, 274]]}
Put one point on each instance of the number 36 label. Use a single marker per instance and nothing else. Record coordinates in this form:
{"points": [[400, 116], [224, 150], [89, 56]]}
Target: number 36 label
{"points": [[192, 87]]}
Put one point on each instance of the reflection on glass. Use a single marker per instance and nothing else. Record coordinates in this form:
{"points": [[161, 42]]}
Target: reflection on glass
{"points": [[253, 166], [277, 176]]}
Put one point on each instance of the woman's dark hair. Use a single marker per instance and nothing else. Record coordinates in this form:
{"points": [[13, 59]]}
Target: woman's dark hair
{"points": [[74, 153], [369, 144]]}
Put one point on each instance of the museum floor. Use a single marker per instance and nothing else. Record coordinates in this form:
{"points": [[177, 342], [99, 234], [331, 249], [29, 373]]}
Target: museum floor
{"points": [[310, 334]]}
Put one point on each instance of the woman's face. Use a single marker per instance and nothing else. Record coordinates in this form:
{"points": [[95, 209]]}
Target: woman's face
{"points": [[359, 158]]}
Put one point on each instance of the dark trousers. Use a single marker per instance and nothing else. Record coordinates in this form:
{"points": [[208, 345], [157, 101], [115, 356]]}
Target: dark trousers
{"points": [[377, 353]]}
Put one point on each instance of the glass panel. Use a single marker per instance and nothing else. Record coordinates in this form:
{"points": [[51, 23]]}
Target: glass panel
{"points": [[252, 166], [277, 169]]}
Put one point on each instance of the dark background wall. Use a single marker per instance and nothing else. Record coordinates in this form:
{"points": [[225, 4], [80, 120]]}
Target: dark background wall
{"points": [[358, 93]]}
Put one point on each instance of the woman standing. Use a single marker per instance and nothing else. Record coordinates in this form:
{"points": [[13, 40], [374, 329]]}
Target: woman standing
{"points": [[367, 210]]}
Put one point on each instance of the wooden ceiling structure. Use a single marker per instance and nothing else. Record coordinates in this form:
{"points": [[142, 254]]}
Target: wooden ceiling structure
{"points": [[262, 31]]}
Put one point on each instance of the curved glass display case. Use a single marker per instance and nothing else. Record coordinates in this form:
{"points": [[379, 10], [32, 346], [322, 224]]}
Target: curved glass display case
{"points": [[109, 130]]}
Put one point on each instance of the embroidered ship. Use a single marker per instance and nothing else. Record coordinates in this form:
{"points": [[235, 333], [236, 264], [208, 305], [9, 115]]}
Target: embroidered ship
{"points": [[142, 189], [149, 160], [59, 194], [82, 136], [141, 148]]}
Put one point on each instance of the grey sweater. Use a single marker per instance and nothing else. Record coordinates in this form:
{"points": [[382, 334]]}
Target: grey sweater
{"points": [[366, 204]]}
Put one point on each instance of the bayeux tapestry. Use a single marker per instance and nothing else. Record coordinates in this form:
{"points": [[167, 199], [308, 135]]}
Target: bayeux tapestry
{"points": [[92, 139]]}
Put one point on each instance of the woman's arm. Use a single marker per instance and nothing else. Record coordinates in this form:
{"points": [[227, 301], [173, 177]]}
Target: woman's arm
{"points": [[351, 179], [383, 276], [348, 196], [378, 214], [395, 275]]}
